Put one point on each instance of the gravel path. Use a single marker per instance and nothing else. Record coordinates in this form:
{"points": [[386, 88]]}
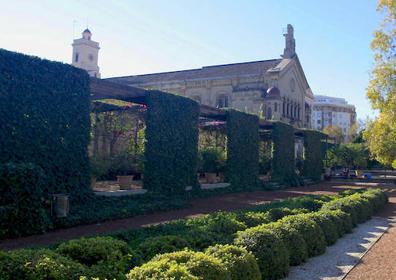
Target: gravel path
{"points": [[340, 258], [380, 262]]}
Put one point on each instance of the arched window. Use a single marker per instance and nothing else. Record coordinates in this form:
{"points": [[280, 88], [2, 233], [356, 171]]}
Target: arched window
{"points": [[269, 113], [276, 107], [222, 101], [287, 109], [283, 107]]}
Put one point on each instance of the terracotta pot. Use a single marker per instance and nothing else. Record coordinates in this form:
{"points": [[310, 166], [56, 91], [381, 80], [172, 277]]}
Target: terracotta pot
{"points": [[125, 182], [210, 178]]}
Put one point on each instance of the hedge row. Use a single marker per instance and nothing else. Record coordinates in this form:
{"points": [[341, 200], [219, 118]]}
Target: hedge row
{"points": [[242, 149], [282, 236], [313, 157]]}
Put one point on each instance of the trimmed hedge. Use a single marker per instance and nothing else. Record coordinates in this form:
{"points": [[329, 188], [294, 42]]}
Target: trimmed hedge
{"points": [[238, 261], [274, 245], [313, 157], [293, 240], [242, 149], [105, 256], [22, 200], [160, 245], [44, 113], [38, 264], [171, 149], [310, 230], [327, 225], [270, 251], [283, 158], [189, 263]]}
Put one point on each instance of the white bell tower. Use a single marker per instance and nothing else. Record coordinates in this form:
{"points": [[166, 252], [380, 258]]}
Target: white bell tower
{"points": [[85, 54]]}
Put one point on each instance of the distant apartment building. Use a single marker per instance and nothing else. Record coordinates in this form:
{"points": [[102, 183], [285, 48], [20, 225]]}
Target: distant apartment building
{"points": [[332, 111]]}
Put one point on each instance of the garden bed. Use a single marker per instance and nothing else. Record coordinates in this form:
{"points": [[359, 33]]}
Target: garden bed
{"points": [[268, 231]]}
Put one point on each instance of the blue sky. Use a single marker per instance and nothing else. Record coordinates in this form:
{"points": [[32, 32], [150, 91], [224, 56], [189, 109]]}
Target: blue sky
{"points": [[142, 36]]}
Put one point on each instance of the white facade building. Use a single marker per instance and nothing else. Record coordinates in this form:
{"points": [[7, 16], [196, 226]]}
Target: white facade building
{"points": [[275, 89], [85, 54], [333, 111]]}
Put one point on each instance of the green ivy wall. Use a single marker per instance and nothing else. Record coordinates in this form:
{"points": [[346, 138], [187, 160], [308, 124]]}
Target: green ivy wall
{"points": [[313, 155], [44, 113], [171, 151], [242, 149], [283, 161]]}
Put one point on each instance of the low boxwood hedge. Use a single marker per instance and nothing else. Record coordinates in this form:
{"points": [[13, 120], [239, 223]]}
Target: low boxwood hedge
{"points": [[106, 257], [270, 251], [160, 245], [189, 264], [38, 264], [327, 225], [240, 263], [293, 240], [274, 245], [310, 230]]}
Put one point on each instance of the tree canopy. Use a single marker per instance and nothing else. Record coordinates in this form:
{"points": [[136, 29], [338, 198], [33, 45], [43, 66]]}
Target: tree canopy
{"points": [[380, 134]]}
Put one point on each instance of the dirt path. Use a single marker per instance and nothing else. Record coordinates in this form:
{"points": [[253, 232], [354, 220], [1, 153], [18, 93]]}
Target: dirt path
{"points": [[198, 206], [380, 261]]}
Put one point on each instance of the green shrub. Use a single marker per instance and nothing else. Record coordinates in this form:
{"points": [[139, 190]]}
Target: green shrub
{"points": [[38, 264], [212, 160], [278, 213], [238, 261], [162, 269], [293, 240], [269, 250], [23, 210], [160, 245], [221, 225], [252, 219], [309, 230], [328, 226], [376, 197], [105, 256], [358, 207], [187, 263]]}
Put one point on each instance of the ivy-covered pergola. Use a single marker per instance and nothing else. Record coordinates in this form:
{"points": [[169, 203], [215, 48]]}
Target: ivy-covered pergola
{"points": [[180, 117]]}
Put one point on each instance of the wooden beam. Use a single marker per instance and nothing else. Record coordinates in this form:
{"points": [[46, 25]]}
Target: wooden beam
{"points": [[102, 89], [212, 113]]}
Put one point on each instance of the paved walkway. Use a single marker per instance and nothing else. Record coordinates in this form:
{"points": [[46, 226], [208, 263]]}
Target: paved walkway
{"points": [[380, 261], [341, 257], [198, 207]]}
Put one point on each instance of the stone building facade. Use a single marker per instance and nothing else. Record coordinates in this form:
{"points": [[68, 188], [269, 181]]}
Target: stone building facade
{"points": [[275, 89]]}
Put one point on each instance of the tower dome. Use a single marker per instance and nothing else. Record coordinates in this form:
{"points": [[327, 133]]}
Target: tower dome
{"points": [[273, 92], [86, 34], [85, 54]]}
